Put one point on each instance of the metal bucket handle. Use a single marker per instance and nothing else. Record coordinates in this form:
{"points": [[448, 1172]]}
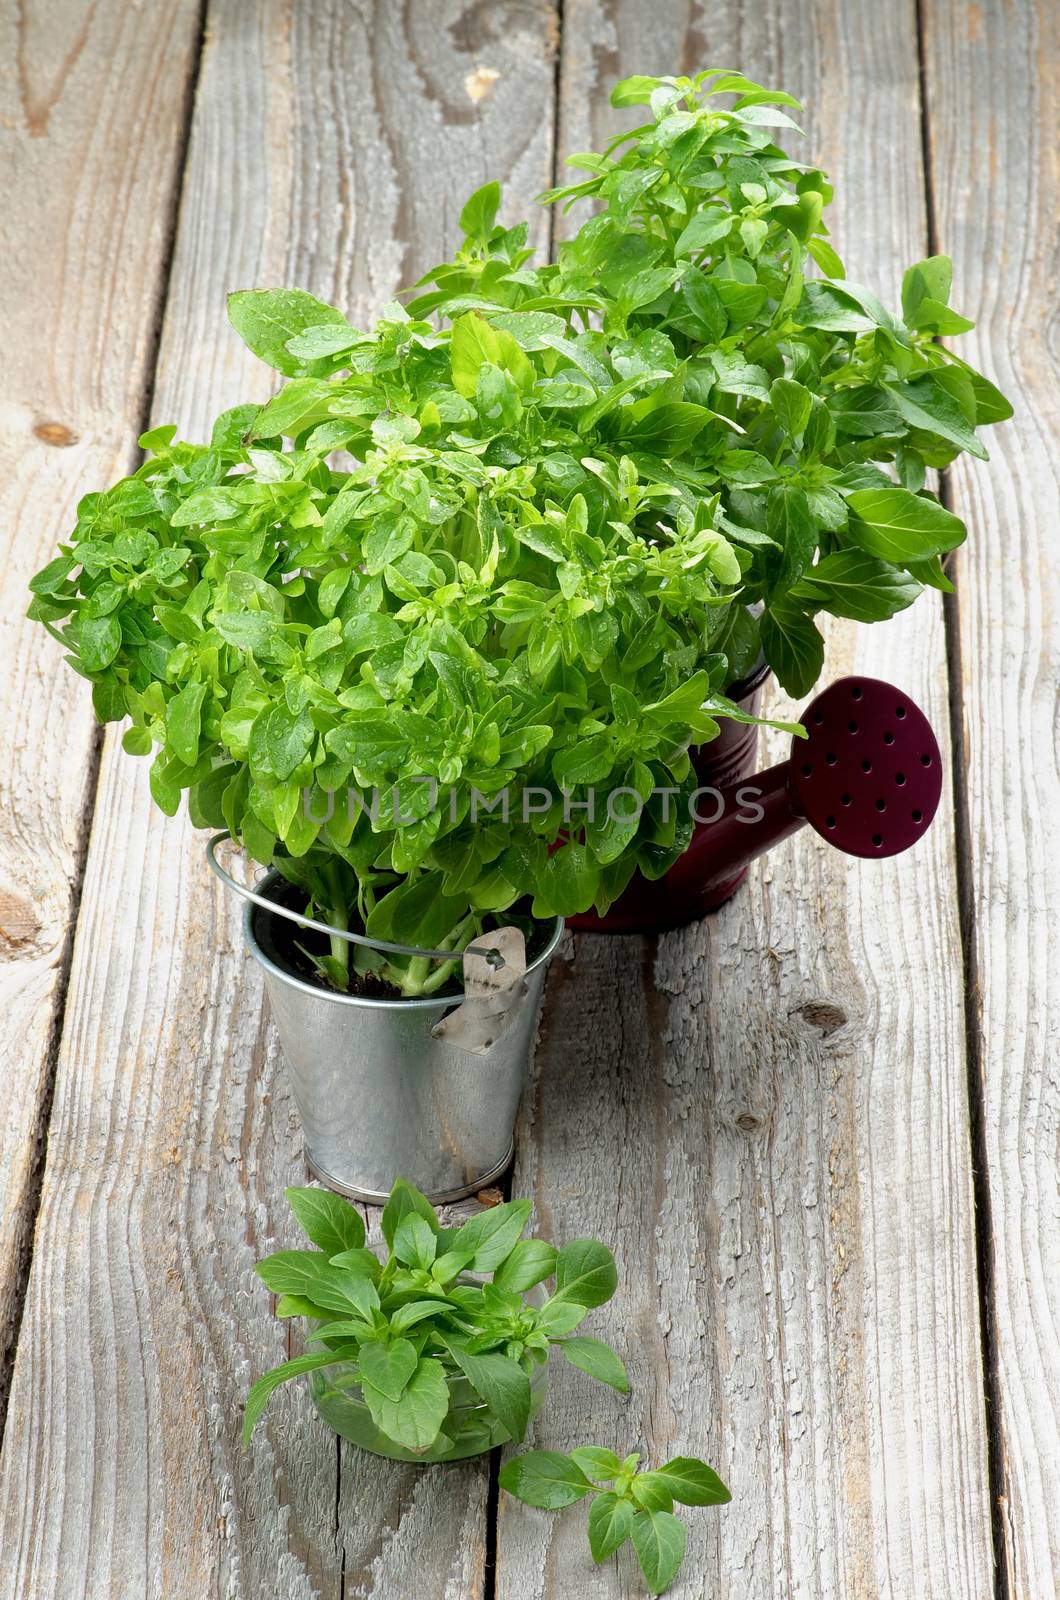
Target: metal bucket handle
{"points": [[491, 954]]}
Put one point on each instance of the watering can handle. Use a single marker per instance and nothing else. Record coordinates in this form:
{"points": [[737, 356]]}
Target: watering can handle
{"points": [[491, 954]]}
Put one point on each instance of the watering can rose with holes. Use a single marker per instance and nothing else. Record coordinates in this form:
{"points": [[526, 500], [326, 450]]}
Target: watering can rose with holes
{"points": [[572, 482]]}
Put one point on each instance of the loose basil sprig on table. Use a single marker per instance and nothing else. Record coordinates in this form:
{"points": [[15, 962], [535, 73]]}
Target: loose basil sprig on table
{"points": [[627, 1504], [565, 492], [417, 1319]]}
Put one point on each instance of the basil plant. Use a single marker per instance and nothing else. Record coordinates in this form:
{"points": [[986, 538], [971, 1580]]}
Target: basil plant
{"points": [[439, 1350], [433, 630]]}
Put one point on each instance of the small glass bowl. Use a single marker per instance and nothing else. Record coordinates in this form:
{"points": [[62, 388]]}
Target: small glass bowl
{"points": [[470, 1427]]}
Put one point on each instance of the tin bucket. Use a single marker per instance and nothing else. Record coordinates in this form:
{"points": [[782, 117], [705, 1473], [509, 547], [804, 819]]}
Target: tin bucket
{"points": [[379, 1096]]}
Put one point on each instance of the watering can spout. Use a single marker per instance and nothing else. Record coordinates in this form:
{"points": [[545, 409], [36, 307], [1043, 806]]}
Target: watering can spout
{"points": [[735, 824], [867, 777]]}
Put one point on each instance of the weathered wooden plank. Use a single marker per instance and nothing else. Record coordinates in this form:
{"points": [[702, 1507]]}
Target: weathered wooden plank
{"points": [[767, 1113], [993, 81], [331, 145], [88, 198], [451, 96], [411, 1530]]}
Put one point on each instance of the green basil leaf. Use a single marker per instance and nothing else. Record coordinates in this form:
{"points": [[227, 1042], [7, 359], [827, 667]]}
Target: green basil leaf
{"points": [[925, 404], [864, 410], [280, 740], [52, 579], [598, 1360], [600, 1465], [303, 1272], [415, 1241], [324, 339], [258, 1397], [933, 317], [137, 742], [790, 524], [634, 91], [659, 1540], [559, 1317], [530, 1261], [930, 279], [404, 1199], [831, 307], [299, 403], [182, 722], [98, 642], [363, 1263], [416, 1418], [491, 1235], [415, 1311], [502, 1384], [331, 1222], [544, 1478], [706, 227], [165, 790], [388, 1367], [650, 1493], [480, 211], [930, 574], [692, 1482], [356, 1329], [898, 526], [266, 319], [475, 343], [610, 1521], [588, 761], [990, 403], [208, 506], [296, 1305], [849, 583], [792, 646], [585, 1273], [792, 404]]}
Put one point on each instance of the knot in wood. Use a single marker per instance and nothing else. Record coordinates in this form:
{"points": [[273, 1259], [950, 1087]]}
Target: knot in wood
{"points": [[56, 433], [19, 924], [822, 1014]]}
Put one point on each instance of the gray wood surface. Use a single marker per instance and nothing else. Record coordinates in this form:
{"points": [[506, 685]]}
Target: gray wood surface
{"points": [[996, 72], [776, 1116], [768, 1112], [91, 117], [314, 159]]}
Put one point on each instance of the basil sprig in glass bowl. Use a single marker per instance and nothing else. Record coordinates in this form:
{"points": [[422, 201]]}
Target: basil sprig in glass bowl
{"points": [[440, 1350]]}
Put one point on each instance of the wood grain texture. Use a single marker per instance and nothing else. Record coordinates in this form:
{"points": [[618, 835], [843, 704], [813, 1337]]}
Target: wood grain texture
{"points": [[768, 1112], [993, 77], [91, 112], [411, 1530], [331, 146]]}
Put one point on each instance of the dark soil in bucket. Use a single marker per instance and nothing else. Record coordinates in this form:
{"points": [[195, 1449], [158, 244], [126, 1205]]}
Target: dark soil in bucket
{"points": [[291, 947]]}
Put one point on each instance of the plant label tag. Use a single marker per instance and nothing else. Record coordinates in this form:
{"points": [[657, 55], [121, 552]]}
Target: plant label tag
{"points": [[492, 993]]}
